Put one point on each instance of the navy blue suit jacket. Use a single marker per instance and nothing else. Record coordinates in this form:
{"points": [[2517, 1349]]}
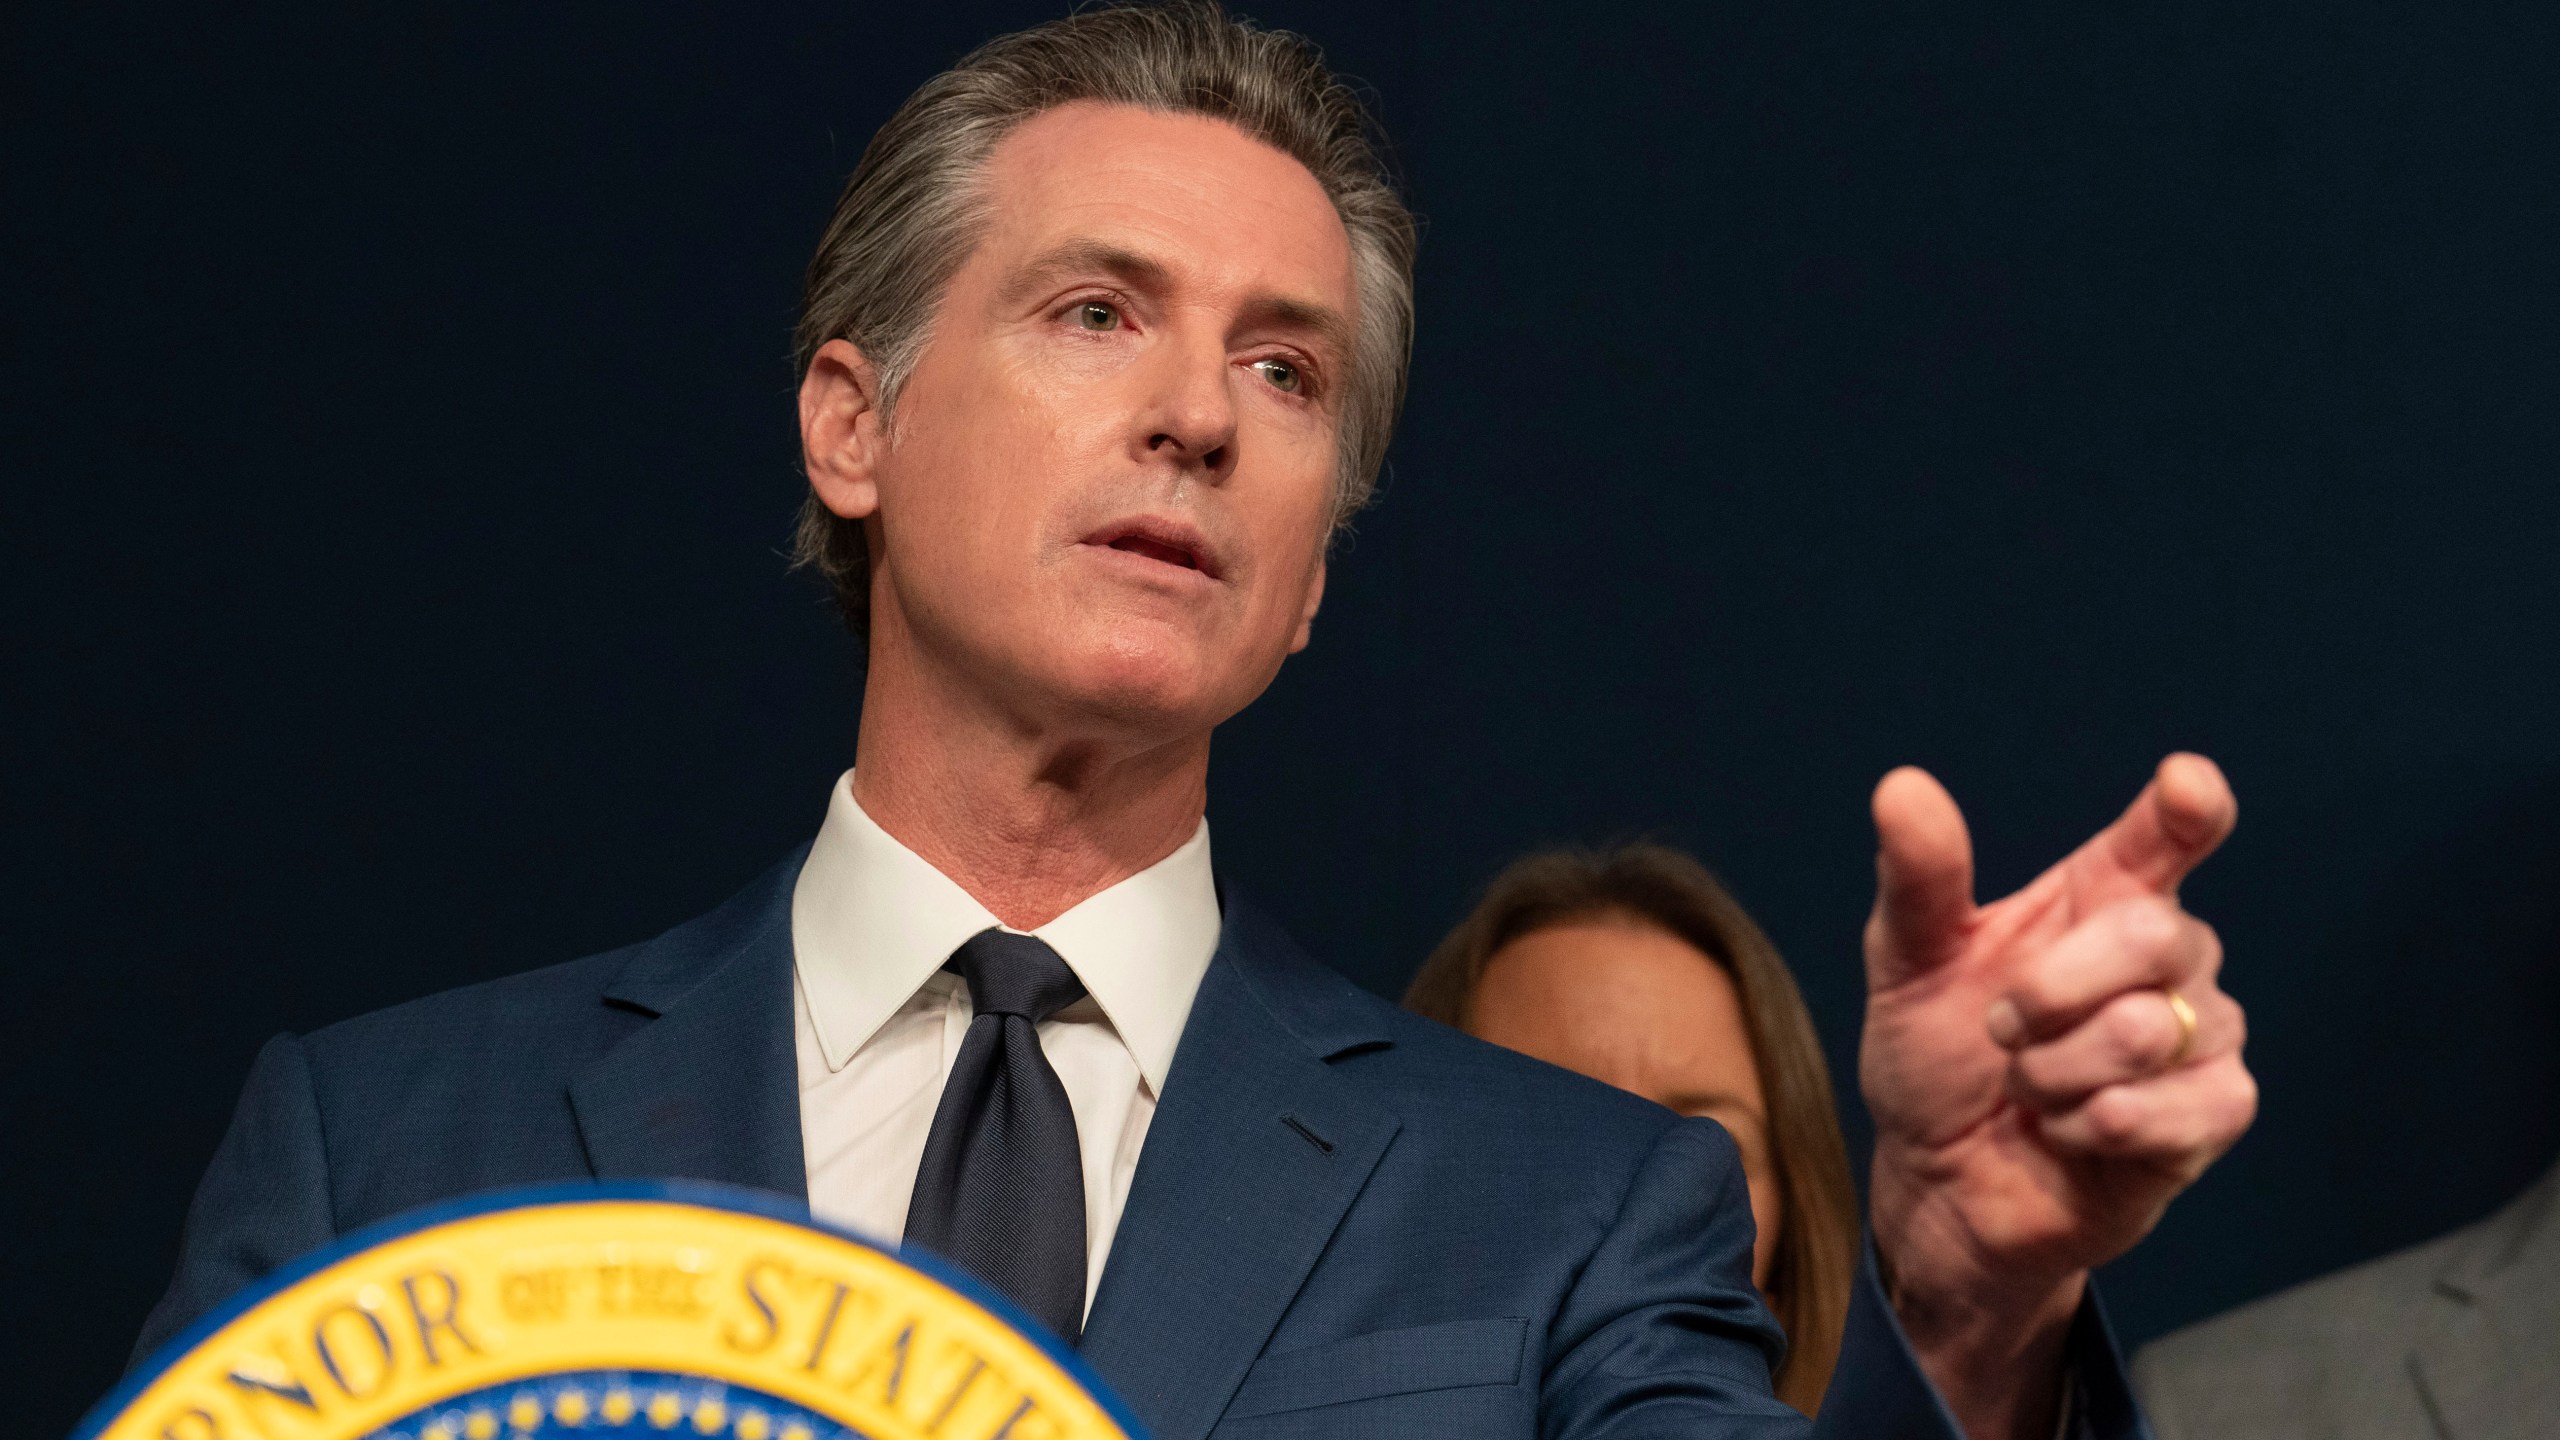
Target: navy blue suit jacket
{"points": [[1346, 1222]]}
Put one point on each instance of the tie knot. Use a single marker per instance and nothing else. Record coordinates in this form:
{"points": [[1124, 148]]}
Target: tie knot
{"points": [[1011, 974]]}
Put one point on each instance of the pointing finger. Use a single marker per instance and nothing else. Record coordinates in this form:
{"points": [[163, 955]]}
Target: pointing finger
{"points": [[1924, 878], [2140, 944], [2177, 820]]}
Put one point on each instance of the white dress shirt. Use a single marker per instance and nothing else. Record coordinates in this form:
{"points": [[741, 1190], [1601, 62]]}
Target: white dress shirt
{"points": [[879, 1024]]}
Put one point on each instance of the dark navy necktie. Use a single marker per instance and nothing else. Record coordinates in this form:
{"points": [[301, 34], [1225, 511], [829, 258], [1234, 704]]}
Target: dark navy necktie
{"points": [[1001, 1190]]}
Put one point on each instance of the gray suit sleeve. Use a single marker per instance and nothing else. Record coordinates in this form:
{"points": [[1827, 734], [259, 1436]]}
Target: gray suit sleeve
{"points": [[2160, 1398], [263, 1202]]}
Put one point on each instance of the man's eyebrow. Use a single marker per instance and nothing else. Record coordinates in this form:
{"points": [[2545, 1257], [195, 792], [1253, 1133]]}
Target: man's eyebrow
{"points": [[1075, 257], [1327, 324]]}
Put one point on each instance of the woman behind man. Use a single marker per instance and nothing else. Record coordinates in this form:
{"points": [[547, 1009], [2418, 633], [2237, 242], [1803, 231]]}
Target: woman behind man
{"points": [[1634, 967]]}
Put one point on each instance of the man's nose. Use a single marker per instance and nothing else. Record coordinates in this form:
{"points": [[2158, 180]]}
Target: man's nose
{"points": [[1190, 418]]}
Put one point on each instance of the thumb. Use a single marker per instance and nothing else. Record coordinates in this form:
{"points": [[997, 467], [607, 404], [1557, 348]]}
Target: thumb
{"points": [[1924, 878]]}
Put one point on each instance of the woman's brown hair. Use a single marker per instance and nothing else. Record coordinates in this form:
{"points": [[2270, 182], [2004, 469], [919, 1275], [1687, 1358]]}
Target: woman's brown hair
{"points": [[1816, 1257]]}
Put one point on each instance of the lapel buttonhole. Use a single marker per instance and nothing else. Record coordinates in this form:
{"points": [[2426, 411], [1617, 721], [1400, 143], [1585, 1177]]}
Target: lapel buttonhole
{"points": [[1307, 1134]]}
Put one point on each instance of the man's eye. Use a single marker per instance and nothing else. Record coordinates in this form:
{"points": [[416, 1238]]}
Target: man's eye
{"points": [[1282, 375], [1094, 315]]}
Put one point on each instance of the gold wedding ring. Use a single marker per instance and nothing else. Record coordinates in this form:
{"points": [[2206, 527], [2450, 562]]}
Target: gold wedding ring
{"points": [[2186, 1018]]}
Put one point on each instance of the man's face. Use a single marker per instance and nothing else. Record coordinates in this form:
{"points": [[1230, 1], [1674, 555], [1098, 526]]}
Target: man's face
{"points": [[1107, 486]]}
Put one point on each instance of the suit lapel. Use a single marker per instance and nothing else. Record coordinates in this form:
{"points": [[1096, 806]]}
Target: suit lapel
{"points": [[2483, 1358], [1253, 1156], [709, 1088]]}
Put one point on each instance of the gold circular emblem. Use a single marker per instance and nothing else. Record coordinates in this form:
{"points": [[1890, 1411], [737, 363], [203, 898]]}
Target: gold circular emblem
{"points": [[683, 1311]]}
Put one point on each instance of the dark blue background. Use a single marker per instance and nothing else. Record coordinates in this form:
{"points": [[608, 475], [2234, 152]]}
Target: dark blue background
{"points": [[398, 445]]}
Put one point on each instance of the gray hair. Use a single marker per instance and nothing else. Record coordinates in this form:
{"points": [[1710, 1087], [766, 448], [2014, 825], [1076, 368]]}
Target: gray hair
{"points": [[914, 210]]}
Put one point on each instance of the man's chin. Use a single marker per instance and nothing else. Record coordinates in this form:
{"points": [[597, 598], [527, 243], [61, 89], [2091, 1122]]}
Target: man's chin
{"points": [[1151, 685]]}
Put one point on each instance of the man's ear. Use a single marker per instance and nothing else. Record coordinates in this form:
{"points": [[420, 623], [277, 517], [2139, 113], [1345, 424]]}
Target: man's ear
{"points": [[1307, 617], [840, 434]]}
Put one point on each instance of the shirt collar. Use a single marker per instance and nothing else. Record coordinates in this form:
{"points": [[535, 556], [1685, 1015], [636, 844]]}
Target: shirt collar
{"points": [[872, 921]]}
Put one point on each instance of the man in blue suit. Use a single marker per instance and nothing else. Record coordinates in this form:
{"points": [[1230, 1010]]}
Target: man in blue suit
{"points": [[1102, 344]]}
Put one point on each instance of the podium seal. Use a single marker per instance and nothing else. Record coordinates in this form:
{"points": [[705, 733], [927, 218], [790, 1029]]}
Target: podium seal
{"points": [[688, 1312]]}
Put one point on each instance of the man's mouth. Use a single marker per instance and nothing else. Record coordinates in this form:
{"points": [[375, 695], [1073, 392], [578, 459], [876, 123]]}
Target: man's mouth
{"points": [[1163, 541], [1156, 550]]}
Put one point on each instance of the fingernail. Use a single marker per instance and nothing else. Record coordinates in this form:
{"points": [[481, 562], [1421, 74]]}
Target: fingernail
{"points": [[2005, 1022]]}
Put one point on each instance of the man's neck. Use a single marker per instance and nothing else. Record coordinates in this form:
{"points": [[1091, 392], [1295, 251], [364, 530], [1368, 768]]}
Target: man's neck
{"points": [[1028, 820]]}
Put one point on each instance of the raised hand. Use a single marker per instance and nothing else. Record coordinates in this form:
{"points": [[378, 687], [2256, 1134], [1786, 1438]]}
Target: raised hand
{"points": [[2046, 1073]]}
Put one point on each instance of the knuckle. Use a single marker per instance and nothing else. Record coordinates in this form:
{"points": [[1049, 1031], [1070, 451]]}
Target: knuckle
{"points": [[2243, 1097], [2153, 944], [2114, 1115], [2132, 1034], [2208, 945], [2038, 1001], [2150, 925], [2235, 1023]]}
